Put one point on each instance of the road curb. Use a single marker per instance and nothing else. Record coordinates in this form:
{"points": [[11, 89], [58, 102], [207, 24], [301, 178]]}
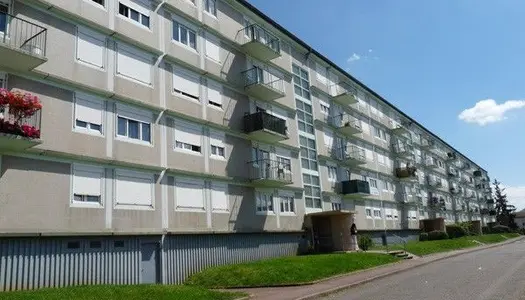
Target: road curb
{"points": [[367, 280]]}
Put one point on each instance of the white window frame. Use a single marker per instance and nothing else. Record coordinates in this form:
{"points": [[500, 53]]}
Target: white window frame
{"points": [[189, 30], [94, 170], [378, 215], [332, 173], [144, 176], [222, 187], [216, 144], [142, 13], [211, 38], [187, 181], [217, 87], [206, 7], [368, 212], [192, 129], [138, 54], [103, 5], [265, 207], [80, 97], [188, 76], [289, 199], [132, 114]]}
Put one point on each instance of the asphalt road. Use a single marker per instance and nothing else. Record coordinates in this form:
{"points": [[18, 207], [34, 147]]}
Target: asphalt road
{"points": [[496, 273]]}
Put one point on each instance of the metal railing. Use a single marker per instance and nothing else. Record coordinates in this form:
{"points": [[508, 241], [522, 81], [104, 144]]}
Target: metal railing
{"points": [[401, 148], [255, 33], [8, 120], [257, 75], [23, 35], [270, 169], [262, 120], [344, 120], [354, 153]]}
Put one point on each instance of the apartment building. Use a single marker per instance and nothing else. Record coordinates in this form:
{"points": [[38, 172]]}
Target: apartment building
{"points": [[176, 135]]}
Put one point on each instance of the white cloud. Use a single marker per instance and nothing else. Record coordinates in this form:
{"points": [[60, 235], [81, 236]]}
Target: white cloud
{"points": [[353, 57], [370, 50], [488, 111]]}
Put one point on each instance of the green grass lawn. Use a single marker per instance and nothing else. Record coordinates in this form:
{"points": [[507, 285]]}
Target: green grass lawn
{"points": [[430, 247], [127, 292], [287, 270]]}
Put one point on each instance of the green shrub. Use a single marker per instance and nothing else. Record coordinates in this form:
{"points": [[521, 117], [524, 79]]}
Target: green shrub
{"points": [[365, 242], [456, 231], [423, 236], [485, 230], [500, 229], [437, 235]]}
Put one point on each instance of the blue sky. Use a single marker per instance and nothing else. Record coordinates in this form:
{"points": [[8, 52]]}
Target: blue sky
{"points": [[438, 61]]}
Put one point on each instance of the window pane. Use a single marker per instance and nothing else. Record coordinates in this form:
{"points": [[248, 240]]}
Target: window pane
{"points": [[146, 132], [145, 21], [134, 15], [122, 126], [183, 35], [81, 124], [95, 127], [193, 42], [176, 31], [122, 9], [133, 127], [92, 199]]}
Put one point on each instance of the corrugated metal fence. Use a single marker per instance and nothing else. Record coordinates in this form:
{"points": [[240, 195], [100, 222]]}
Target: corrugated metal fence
{"points": [[30, 263]]}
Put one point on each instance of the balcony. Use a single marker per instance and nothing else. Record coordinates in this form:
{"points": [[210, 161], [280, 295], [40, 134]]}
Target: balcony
{"points": [[344, 93], [269, 173], [402, 150], [22, 43], [398, 128], [347, 124], [477, 173], [451, 156], [452, 172], [259, 42], [428, 144], [261, 84], [265, 127], [354, 156], [19, 124], [434, 183], [355, 188], [406, 173], [431, 163]]}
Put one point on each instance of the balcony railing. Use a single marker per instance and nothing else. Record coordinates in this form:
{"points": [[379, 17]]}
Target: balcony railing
{"points": [[266, 127], [262, 84], [19, 134], [402, 149], [24, 43], [397, 128], [344, 93], [431, 163], [259, 42], [346, 123], [267, 172], [433, 182], [355, 187], [355, 155]]}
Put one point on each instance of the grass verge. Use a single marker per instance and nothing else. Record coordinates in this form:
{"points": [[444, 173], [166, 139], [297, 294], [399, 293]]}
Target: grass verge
{"points": [[287, 270], [431, 247], [127, 292]]}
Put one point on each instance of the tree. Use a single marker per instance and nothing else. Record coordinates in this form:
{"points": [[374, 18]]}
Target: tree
{"points": [[504, 211]]}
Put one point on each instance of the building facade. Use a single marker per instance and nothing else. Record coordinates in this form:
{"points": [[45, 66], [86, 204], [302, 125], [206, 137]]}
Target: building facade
{"points": [[180, 134]]}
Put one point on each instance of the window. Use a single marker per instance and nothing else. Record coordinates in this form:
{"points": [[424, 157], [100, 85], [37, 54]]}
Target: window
{"points": [[134, 129], [184, 35], [88, 113], [186, 83], [305, 119], [95, 244], [188, 137], [213, 47], [301, 82], [264, 202], [4, 10], [373, 183], [287, 204], [101, 2], [211, 6], [217, 144], [189, 193], [368, 212], [321, 73], [388, 213], [219, 197], [214, 94], [91, 47], [332, 173], [377, 213], [134, 11], [134, 63], [87, 184], [118, 244], [308, 153], [312, 191], [134, 188], [73, 245], [284, 163]]}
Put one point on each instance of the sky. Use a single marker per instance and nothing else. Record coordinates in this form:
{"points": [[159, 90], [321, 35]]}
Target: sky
{"points": [[455, 66]]}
